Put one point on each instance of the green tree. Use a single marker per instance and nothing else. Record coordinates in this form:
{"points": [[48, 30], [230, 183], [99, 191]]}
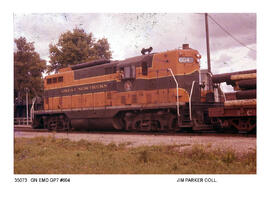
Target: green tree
{"points": [[28, 68], [75, 47]]}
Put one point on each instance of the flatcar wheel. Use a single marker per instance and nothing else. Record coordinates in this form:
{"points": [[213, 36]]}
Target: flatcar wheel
{"points": [[243, 124]]}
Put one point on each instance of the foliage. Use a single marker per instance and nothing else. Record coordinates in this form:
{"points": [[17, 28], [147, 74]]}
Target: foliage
{"points": [[50, 155], [75, 47], [28, 68]]}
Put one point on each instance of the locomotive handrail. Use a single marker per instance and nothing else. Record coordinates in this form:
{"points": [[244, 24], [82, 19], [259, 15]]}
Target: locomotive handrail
{"points": [[224, 96], [177, 98], [32, 110], [190, 97], [22, 121]]}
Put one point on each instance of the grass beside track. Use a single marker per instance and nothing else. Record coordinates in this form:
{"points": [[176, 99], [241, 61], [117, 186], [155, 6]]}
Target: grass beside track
{"points": [[48, 155]]}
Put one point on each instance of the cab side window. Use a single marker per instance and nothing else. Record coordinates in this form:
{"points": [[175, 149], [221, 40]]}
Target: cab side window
{"points": [[144, 68], [129, 72]]}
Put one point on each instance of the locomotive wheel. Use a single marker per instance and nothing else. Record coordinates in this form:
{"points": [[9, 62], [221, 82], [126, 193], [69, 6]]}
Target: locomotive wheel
{"points": [[37, 123], [52, 123], [154, 122], [141, 123], [58, 123], [173, 123], [161, 120], [128, 120], [64, 123], [136, 125], [155, 125]]}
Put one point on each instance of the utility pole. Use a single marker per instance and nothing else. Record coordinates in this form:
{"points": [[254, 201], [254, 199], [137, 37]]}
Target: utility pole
{"points": [[207, 43], [26, 90]]}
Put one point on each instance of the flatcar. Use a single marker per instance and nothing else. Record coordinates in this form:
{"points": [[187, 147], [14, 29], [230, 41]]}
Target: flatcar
{"points": [[151, 92]]}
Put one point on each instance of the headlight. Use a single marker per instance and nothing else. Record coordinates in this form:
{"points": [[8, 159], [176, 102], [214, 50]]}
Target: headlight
{"points": [[186, 59]]}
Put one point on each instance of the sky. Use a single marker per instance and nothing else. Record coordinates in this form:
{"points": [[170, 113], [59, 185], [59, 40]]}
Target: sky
{"points": [[128, 33]]}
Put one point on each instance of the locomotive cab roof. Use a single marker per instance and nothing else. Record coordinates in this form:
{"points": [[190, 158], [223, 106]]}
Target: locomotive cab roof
{"points": [[136, 60]]}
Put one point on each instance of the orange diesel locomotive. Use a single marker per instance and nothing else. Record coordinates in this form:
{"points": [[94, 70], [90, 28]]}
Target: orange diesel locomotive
{"points": [[152, 92]]}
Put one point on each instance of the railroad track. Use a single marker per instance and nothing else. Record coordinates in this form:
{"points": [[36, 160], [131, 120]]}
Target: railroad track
{"points": [[240, 143], [108, 132]]}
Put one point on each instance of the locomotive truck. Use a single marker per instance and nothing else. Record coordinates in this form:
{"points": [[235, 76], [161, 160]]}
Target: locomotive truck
{"points": [[164, 91]]}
